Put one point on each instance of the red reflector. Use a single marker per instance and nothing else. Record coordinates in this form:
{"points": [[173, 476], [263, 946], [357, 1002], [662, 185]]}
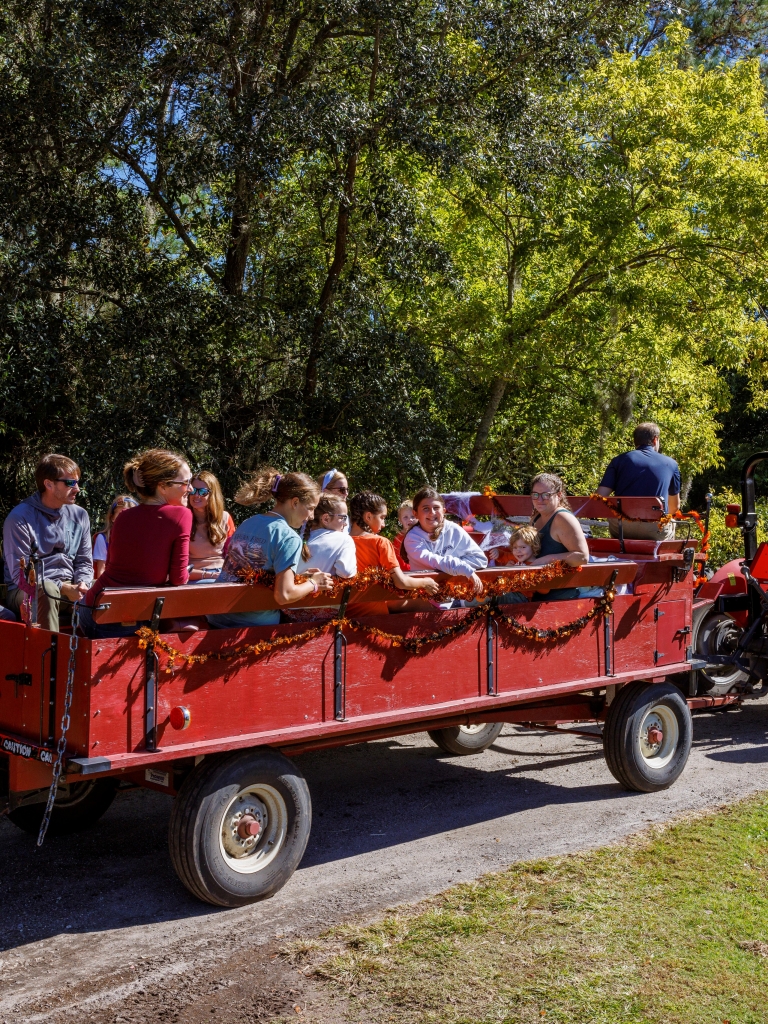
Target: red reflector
{"points": [[759, 567], [731, 522], [180, 718], [733, 508]]}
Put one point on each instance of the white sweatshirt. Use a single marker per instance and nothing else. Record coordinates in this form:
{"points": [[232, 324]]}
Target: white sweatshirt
{"points": [[454, 552], [331, 551]]}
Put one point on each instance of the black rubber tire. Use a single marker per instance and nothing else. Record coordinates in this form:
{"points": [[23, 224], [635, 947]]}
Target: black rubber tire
{"points": [[87, 803], [624, 724], [196, 834], [716, 633], [459, 741]]}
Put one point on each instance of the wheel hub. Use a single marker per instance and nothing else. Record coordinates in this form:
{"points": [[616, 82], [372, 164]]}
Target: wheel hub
{"points": [[245, 822], [658, 736], [253, 828], [654, 736]]}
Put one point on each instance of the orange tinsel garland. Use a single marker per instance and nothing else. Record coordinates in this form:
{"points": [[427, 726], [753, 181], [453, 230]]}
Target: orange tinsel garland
{"points": [[456, 587], [413, 644]]}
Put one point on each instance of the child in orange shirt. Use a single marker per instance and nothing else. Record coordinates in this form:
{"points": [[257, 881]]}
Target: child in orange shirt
{"points": [[368, 512]]}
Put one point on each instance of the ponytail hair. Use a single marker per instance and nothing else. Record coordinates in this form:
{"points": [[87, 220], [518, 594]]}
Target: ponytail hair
{"points": [[144, 473], [365, 501], [553, 483], [266, 484], [428, 494], [327, 505]]}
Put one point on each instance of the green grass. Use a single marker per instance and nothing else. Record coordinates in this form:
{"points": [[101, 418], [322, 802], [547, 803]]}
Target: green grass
{"points": [[671, 926]]}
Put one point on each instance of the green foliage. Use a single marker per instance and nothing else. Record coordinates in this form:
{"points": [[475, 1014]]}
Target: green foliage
{"points": [[726, 544], [418, 242], [619, 288]]}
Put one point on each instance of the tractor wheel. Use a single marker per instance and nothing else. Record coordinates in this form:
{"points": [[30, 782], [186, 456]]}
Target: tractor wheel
{"points": [[239, 827], [647, 736], [466, 739], [716, 633], [77, 806]]}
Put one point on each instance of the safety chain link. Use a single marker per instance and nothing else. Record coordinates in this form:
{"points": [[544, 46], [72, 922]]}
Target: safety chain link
{"points": [[65, 723]]}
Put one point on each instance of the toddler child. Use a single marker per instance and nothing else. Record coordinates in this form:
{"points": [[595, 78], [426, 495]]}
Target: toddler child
{"points": [[406, 519]]}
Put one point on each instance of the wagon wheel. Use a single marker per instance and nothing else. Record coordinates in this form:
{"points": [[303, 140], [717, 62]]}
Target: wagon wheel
{"points": [[466, 739], [716, 633], [77, 807], [647, 736], [239, 827]]}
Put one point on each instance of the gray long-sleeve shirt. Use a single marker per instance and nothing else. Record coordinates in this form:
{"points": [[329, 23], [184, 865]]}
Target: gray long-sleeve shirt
{"points": [[453, 552], [63, 538]]}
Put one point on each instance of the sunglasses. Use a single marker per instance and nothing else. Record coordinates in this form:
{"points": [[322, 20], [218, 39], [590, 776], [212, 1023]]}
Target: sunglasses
{"points": [[202, 491], [68, 482], [339, 490], [123, 504], [339, 515], [541, 495]]}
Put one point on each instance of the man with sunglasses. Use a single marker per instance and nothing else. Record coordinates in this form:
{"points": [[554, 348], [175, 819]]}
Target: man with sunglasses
{"points": [[60, 531]]}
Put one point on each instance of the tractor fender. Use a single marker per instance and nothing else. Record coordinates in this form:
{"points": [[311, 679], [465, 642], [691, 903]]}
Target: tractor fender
{"points": [[727, 580]]}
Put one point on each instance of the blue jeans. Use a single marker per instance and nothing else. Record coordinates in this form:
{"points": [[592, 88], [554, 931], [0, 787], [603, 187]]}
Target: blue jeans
{"points": [[570, 594], [566, 594], [98, 631]]}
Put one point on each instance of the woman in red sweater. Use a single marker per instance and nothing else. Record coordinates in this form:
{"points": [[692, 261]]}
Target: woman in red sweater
{"points": [[149, 544]]}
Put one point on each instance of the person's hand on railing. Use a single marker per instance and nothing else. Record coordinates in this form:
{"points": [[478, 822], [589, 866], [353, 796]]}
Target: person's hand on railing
{"points": [[322, 580], [477, 583]]}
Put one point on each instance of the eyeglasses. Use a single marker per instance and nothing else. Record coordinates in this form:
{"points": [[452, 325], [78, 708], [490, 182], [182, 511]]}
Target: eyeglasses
{"points": [[339, 515], [541, 495], [202, 491], [179, 483], [340, 490], [69, 482]]}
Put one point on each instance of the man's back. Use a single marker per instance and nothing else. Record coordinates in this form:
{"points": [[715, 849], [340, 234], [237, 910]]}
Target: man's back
{"points": [[643, 472]]}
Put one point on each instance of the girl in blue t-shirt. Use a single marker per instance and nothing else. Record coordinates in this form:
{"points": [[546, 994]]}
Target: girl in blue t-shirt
{"points": [[270, 541]]}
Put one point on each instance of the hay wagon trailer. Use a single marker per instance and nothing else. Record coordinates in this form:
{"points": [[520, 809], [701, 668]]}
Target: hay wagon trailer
{"points": [[218, 734]]}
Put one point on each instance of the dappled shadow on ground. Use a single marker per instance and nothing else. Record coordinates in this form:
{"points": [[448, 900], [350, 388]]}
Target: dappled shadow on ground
{"points": [[366, 798]]}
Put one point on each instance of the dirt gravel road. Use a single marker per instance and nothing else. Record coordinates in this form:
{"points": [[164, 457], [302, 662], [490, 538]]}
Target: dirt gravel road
{"points": [[97, 927]]}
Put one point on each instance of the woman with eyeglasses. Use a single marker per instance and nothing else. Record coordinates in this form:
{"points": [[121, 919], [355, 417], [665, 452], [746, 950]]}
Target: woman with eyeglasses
{"points": [[334, 482], [101, 541], [211, 528], [560, 533], [149, 544]]}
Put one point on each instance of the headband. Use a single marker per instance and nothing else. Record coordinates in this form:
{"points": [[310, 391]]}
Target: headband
{"points": [[328, 477], [276, 484]]}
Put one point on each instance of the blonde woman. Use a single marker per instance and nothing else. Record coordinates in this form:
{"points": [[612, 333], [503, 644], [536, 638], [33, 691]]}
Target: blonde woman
{"points": [[211, 527], [101, 541]]}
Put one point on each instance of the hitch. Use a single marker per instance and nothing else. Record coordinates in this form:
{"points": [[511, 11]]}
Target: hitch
{"points": [[680, 572]]}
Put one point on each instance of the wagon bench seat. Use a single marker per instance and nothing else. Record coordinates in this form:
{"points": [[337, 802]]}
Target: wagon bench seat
{"points": [[138, 604]]}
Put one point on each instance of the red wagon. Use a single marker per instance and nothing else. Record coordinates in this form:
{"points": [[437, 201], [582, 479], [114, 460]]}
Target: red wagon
{"points": [[217, 731]]}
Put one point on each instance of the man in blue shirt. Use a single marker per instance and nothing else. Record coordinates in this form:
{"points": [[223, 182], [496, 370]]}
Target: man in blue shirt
{"points": [[643, 473]]}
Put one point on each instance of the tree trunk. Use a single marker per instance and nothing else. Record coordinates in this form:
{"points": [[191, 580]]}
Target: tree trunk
{"points": [[332, 277], [498, 389], [239, 238]]}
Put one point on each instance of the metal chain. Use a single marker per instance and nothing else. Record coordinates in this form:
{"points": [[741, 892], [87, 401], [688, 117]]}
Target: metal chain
{"points": [[65, 723]]}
